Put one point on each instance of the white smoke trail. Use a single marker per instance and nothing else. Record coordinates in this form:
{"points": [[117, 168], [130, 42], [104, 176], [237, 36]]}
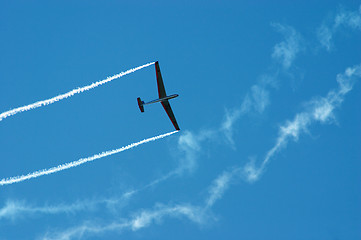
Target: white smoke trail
{"points": [[68, 94], [11, 180]]}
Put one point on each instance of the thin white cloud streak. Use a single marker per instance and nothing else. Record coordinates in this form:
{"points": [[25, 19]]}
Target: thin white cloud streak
{"points": [[163, 178], [227, 126], [286, 51], [68, 94], [15, 209], [146, 217], [140, 220], [258, 98], [198, 214], [319, 110], [350, 19], [219, 186], [81, 161], [136, 221], [325, 35], [344, 18], [189, 145]]}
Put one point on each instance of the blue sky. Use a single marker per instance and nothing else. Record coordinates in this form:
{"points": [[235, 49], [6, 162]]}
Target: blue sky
{"points": [[269, 146]]}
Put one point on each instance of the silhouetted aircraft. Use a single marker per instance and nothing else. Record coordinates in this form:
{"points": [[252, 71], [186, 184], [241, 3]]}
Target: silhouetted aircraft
{"points": [[163, 98]]}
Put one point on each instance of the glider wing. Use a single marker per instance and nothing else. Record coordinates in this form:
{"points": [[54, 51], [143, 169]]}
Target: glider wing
{"points": [[161, 89], [169, 111]]}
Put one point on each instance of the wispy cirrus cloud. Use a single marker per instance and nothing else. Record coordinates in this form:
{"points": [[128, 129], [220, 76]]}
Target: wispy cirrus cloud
{"points": [[146, 217], [350, 19], [190, 147], [219, 186], [258, 97], [190, 143], [13, 210], [344, 18], [319, 109], [200, 214], [227, 126], [286, 51], [137, 221], [143, 218], [16, 209], [325, 35], [255, 101]]}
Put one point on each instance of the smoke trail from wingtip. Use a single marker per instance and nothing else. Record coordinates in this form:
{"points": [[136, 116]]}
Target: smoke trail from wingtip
{"points": [[16, 179], [68, 94]]}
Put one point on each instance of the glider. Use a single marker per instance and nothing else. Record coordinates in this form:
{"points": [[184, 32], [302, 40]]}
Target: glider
{"points": [[163, 98]]}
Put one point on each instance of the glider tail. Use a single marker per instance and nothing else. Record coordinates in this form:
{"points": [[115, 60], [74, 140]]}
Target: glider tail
{"points": [[140, 104]]}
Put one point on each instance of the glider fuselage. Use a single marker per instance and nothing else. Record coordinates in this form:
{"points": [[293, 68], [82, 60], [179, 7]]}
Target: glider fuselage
{"points": [[162, 99]]}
